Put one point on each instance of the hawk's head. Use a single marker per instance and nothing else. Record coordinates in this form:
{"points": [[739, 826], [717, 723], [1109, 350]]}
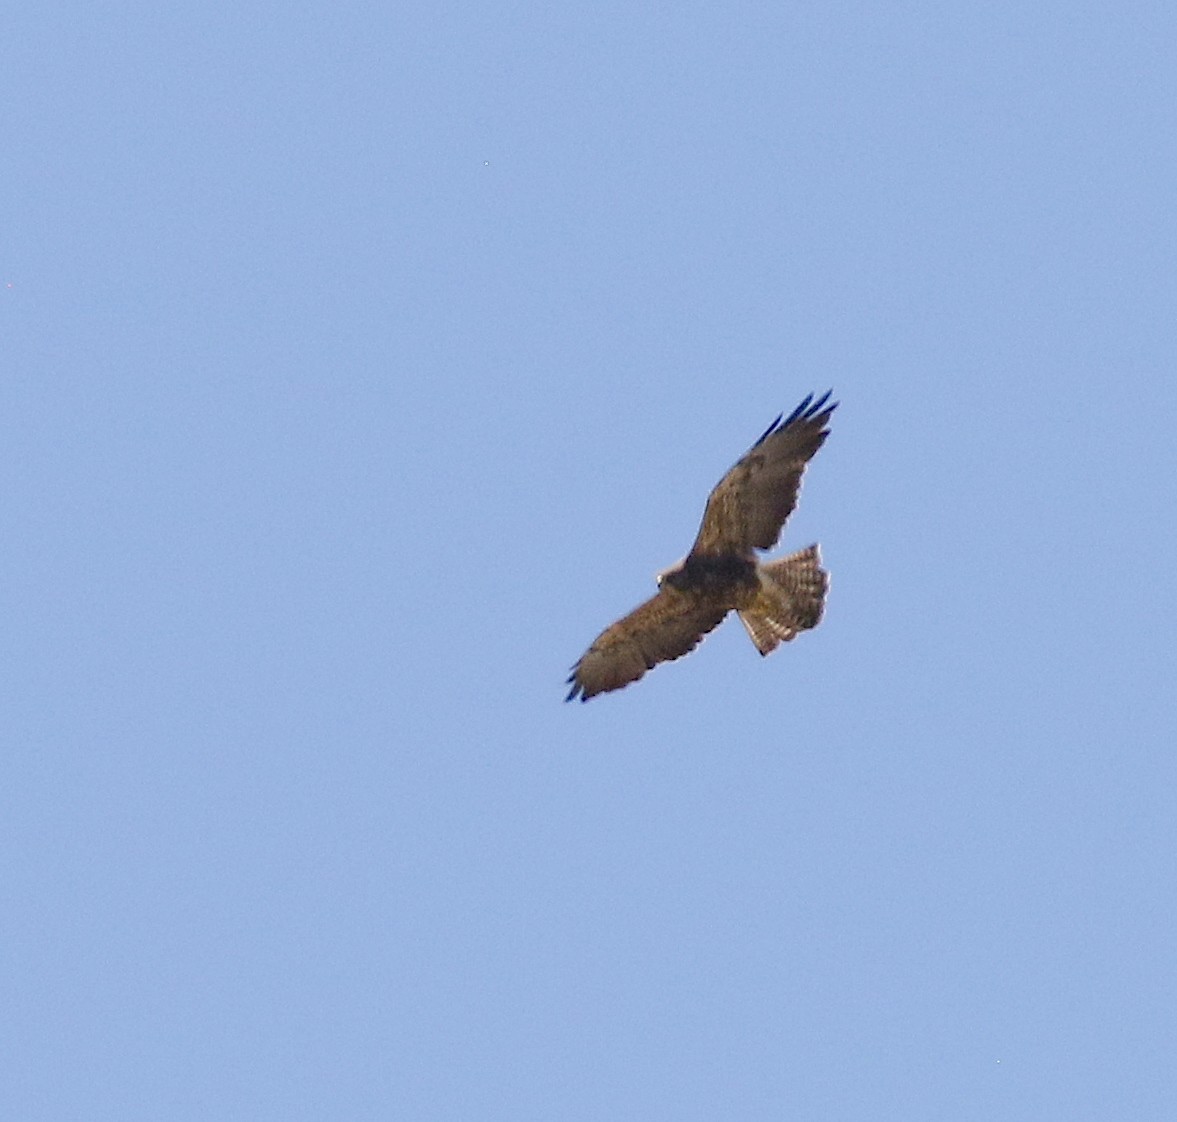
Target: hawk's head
{"points": [[671, 576]]}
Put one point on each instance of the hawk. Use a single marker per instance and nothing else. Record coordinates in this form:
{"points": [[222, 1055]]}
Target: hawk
{"points": [[745, 512]]}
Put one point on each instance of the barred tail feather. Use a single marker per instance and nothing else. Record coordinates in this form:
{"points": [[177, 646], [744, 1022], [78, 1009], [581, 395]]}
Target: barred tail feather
{"points": [[791, 599]]}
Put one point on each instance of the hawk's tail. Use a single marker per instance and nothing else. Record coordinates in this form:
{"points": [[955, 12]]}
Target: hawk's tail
{"points": [[791, 599]]}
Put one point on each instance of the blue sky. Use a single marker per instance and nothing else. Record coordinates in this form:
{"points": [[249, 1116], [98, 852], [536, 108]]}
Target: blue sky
{"points": [[361, 362]]}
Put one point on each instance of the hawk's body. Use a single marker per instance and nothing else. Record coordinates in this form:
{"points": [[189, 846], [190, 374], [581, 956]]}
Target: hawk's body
{"points": [[744, 513]]}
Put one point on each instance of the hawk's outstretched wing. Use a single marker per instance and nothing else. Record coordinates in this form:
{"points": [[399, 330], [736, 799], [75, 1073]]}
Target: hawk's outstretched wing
{"points": [[749, 505], [666, 626]]}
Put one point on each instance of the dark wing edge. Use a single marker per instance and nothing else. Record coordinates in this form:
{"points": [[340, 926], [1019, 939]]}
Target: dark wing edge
{"points": [[667, 626], [748, 506]]}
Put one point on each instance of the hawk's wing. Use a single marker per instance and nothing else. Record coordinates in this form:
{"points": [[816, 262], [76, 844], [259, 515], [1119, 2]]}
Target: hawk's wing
{"points": [[664, 627], [749, 505]]}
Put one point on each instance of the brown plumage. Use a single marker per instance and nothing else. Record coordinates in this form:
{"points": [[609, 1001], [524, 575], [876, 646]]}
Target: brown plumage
{"points": [[744, 513]]}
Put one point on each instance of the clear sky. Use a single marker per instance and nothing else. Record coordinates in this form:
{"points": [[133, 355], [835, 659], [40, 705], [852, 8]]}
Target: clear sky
{"points": [[360, 362]]}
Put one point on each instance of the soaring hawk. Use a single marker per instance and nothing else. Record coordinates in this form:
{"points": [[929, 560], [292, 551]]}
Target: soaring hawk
{"points": [[745, 512]]}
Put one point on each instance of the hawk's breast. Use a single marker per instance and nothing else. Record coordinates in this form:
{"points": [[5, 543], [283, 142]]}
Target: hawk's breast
{"points": [[724, 576]]}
